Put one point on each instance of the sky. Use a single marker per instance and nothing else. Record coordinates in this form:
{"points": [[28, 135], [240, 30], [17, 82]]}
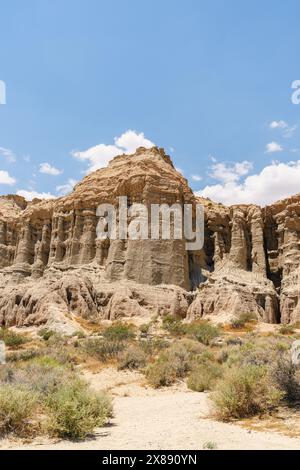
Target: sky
{"points": [[208, 80]]}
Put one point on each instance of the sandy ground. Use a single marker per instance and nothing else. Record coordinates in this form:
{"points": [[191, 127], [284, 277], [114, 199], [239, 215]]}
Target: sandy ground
{"points": [[174, 418]]}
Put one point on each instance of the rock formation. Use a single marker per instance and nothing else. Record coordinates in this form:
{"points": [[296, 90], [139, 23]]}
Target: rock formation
{"points": [[54, 269]]}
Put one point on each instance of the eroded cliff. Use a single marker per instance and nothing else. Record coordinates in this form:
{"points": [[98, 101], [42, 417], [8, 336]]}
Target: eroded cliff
{"points": [[53, 268]]}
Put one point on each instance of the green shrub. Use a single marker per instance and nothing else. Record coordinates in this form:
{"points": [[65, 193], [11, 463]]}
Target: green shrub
{"points": [[103, 349], [242, 320], [46, 334], [119, 332], [171, 364], [161, 374], [173, 325], [210, 445], [204, 377], [17, 406], [75, 410], [204, 332], [245, 391], [132, 358], [12, 339], [287, 330]]}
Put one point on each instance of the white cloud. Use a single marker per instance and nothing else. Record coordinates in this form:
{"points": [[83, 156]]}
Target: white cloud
{"points": [[47, 169], [274, 182], [273, 147], [7, 154], [5, 178], [225, 173], [67, 187], [131, 140], [278, 125], [99, 155], [179, 170], [288, 131], [196, 178], [30, 195]]}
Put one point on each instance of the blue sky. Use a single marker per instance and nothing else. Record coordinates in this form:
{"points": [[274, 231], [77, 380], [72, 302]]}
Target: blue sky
{"points": [[208, 80]]}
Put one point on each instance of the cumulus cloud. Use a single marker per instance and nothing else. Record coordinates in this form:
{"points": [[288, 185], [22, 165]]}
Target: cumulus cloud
{"points": [[5, 178], [273, 147], [278, 125], [48, 169], [229, 173], [7, 154], [196, 178], [67, 187], [30, 195], [99, 155], [276, 181]]}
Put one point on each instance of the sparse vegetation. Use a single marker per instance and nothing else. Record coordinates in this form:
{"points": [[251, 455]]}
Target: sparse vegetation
{"points": [[132, 358], [171, 364], [245, 391], [204, 377], [46, 334], [17, 406], [203, 332], [75, 411], [287, 330], [103, 349], [210, 446], [242, 321], [119, 332], [12, 339]]}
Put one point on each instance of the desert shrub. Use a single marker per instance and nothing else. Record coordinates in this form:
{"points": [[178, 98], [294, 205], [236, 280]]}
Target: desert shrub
{"points": [[46, 334], [245, 391], [119, 332], [79, 334], [286, 330], [103, 349], [41, 376], [144, 329], [12, 339], [171, 364], [153, 345], [161, 374], [287, 378], [204, 332], [204, 377], [75, 410], [26, 355], [242, 320], [210, 445], [173, 325], [132, 358], [17, 405]]}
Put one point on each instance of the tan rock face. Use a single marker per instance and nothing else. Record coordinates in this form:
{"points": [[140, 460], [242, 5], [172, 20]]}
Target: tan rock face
{"points": [[52, 267]]}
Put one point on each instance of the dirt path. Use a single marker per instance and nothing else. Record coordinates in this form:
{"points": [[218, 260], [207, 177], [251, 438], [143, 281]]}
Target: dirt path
{"points": [[169, 419]]}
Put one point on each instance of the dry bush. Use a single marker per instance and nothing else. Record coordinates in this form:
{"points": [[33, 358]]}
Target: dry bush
{"points": [[287, 378], [119, 332], [103, 349], [75, 410], [17, 407], [132, 358], [171, 364], [245, 391], [204, 376]]}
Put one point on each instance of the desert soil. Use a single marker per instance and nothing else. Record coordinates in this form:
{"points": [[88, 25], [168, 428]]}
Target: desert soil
{"points": [[174, 418]]}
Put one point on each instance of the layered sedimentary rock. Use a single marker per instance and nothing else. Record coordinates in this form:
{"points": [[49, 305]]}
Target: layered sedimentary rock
{"points": [[54, 268]]}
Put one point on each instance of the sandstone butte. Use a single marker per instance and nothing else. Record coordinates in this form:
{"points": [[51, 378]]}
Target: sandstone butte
{"points": [[53, 270]]}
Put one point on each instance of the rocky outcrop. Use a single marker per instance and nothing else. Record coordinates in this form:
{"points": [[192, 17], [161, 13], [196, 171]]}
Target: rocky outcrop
{"points": [[53, 268]]}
